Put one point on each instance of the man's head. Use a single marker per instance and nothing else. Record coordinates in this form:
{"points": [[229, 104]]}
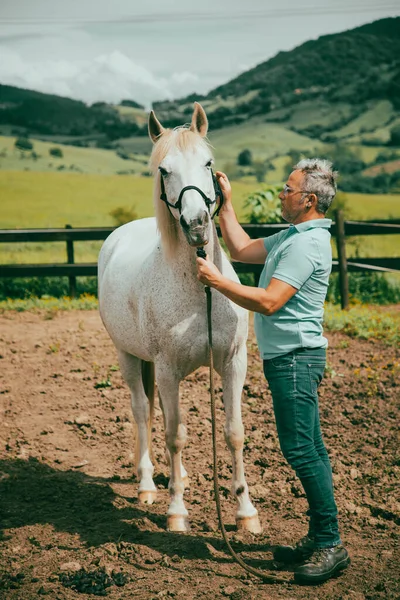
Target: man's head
{"points": [[309, 190]]}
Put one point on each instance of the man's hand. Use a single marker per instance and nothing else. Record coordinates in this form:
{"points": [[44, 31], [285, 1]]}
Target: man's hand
{"points": [[225, 186], [207, 272]]}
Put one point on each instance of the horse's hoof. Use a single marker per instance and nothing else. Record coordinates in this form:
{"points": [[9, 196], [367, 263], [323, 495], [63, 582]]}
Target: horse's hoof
{"points": [[251, 524], [177, 523], [147, 497], [186, 482]]}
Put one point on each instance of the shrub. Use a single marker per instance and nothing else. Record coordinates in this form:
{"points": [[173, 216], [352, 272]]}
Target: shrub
{"points": [[264, 206], [28, 287], [394, 136], [57, 152], [260, 169], [122, 215], [371, 288], [22, 143], [122, 154], [245, 158]]}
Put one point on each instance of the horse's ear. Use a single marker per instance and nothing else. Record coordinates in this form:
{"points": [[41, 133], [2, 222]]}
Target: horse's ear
{"points": [[155, 127], [199, 120]]}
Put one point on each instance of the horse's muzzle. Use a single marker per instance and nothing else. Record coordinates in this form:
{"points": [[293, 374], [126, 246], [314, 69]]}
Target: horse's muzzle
{"points": [[196, 231], [197, 237]]}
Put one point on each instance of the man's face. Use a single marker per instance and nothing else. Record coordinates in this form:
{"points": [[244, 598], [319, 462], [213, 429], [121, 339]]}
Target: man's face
{"points": [[293, 198]]}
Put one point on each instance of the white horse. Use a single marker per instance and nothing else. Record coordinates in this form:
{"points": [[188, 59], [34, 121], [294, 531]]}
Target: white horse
{"points": [[154, 309]]}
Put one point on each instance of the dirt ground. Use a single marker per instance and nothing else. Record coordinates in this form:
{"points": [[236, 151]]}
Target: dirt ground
{"points": [[70, 524]]}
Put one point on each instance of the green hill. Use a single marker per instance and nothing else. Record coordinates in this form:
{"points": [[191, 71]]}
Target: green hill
{"points": [[346, 70], [340, 90], [35, 113]]}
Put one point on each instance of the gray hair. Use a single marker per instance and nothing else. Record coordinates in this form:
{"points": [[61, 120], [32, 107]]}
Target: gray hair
{"points": [[319, 179]]}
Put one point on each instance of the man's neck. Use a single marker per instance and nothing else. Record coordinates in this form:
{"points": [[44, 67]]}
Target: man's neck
{"points": [[310, 216]]}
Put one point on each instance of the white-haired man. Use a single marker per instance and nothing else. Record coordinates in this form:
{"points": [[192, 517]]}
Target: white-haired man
{"points": [[288, 306]]}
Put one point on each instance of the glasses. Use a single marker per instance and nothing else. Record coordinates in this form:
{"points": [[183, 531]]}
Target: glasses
{"points": [[287, 190]]}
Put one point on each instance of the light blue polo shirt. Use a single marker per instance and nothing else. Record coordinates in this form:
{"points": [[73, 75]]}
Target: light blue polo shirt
{"points": [[301, 256]]}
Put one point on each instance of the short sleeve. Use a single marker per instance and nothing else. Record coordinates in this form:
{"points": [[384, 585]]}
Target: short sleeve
{"points": [[298, 261], [270, 241]]}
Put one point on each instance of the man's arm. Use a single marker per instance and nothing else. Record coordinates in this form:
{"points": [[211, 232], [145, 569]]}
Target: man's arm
{"points": [[240, 245], [265, 301]]}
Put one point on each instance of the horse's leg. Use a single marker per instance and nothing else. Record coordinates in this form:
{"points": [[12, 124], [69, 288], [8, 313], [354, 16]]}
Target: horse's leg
{"points": [[175, 437], [131, 369], [185, 476], [233, 375]]}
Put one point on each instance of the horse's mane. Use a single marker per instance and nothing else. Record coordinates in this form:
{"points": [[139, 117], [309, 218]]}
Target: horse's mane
{"points": [[184, 139]]}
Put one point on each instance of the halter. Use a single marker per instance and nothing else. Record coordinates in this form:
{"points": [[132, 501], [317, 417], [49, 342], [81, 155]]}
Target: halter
{"points": [[207, 200]]}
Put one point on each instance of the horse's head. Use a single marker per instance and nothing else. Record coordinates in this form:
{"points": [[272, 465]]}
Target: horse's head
{"points": [[182, 160]]}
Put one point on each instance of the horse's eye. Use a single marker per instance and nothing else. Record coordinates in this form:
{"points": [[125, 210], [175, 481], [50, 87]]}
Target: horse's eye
{"points": [[209, 164], [163, 171]]}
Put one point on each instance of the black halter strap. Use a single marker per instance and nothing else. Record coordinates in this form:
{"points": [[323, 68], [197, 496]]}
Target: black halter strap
{"points": [[207, 200]]}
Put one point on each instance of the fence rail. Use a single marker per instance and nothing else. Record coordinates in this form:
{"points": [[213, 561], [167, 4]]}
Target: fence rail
{"points": [[340, 230]]}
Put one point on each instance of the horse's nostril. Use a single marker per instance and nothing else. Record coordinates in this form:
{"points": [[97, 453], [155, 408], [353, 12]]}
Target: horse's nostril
{"points": [[195, 223], [184, 223]]}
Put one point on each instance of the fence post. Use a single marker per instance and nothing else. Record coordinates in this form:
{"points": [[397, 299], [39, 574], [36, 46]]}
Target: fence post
{"points": [[71, 261], [341, 250]]}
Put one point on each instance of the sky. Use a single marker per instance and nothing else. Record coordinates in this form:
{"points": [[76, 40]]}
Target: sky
{"points": [[98, 50]]}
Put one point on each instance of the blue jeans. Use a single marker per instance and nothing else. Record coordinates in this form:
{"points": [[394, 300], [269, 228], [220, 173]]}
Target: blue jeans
{"points": [[293, 380]]}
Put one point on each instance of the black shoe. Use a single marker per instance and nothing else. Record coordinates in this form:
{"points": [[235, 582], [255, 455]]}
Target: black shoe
{"points": [[322, 564], [292, 554]]}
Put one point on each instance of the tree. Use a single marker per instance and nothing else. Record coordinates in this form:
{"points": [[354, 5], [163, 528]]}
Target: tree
{"points": [[23, 143], [245, 158], [294, 157], [264, 206], [131, 103], [260, 170], [57, 152], [395, 136]]}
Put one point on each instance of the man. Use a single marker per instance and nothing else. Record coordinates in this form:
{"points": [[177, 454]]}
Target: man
{"points": [[288, 306]]}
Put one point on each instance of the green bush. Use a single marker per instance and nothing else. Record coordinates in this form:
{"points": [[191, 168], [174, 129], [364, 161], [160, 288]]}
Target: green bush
{"points": [[368, 288], [28, 287], [394, 136], [260, 169], [22, 143], [245, 158], [57, 152], [122, 215], [264, 206]]}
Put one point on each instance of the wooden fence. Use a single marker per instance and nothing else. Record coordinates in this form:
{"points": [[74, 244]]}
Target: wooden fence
{"points": [[340, 230]]}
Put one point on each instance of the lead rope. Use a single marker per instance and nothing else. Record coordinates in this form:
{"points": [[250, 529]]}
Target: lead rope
{"points": [[267, 577]]}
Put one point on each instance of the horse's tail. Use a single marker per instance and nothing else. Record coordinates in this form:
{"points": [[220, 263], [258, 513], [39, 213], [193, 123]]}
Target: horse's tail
{"points": [[148, 379]]}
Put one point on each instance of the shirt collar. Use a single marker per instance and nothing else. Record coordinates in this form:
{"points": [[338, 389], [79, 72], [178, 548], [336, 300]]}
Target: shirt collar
{"points": [[312, 224]]}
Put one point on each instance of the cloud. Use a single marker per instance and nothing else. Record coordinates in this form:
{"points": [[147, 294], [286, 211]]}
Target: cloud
{"points": [[107, 77]]}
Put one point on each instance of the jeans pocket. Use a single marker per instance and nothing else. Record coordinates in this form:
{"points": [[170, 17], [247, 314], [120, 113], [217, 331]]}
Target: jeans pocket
{"points": [[281, 362], [316, 373]]}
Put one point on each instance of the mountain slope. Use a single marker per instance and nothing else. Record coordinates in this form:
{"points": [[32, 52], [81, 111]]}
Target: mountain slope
{"points": [[54, 115], [354, 66]]}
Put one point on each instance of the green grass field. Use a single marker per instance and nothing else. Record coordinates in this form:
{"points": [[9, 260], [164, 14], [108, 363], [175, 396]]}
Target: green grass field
{"points": [[264, 139], [318, 112], [375, 117], [32, 199], [83, 160]]}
